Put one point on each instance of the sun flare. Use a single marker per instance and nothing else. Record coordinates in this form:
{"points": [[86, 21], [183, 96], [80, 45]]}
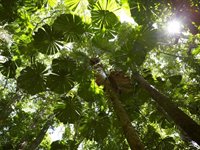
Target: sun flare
{"points": [[174, 27]]}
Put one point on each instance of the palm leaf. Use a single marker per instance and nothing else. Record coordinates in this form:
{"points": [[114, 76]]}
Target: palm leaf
{"points": [[71, 25], [71, 112], [61, 80], [32, 79], [47, 40], [8, 69], [7, 66], [104, 19], [76, 5]]}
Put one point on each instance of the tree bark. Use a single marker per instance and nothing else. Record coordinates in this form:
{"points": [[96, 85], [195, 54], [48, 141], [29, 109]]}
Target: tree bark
{"points": [[128, 129], [189, 126]]}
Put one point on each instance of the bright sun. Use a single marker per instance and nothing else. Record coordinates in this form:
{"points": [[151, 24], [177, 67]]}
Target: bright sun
{"points": [[174, 27]]}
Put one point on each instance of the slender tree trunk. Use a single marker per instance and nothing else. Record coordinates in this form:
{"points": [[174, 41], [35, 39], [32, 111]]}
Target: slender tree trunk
{"points": [[189, 126], [128, 129], [35, 143]]}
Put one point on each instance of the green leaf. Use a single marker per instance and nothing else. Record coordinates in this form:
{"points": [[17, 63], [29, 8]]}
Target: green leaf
{"points": [[61, 80], [149, 37], [47, 40], [7, 65], [8, 69], [71, 113], [176, 79], [151, 136], [85, 91], [138, 53], [32, 79], [52, 3], [63, 65], [104, 19], [167, 143], [196, 51], [144, 13], [76, 4], [96, 129], [71, 25], [8, 10], [59, 83], [58, 145]]}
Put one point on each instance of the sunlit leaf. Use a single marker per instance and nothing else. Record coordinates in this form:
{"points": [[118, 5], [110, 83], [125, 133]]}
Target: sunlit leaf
{"points": [[196, 51], [52, 3], [76, 5], [104, 19], [109, 5], [86, 92]]}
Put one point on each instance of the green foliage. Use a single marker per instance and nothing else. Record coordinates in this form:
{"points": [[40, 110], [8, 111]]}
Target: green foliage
{"points": [[46, 54], [47, 40], [95, 128], [32, 79], [176, 79], [146, 13], [104, 19], [8, 10], [8, 66], [63, 65], [61, 78], [70, 112], [71, 26], [69, 144]]}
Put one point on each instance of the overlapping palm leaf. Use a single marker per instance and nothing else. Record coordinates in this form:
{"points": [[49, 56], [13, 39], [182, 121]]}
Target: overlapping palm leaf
{"points": [[96, 129], [69, 111], [71, 26], [32, 79], [47, 40], [61, 79], [7, 67], [103, 14]]}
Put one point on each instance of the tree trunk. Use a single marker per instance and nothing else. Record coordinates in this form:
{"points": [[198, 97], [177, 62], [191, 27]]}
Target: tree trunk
{"points": [[35, 143], [189, 126], [128, 129]]}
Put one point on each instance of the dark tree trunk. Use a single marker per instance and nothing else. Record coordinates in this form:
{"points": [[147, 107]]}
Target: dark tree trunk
{"points": [[189, 126]]}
